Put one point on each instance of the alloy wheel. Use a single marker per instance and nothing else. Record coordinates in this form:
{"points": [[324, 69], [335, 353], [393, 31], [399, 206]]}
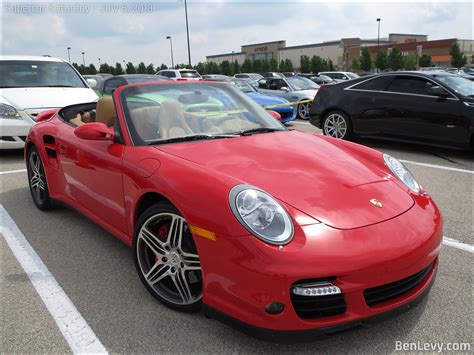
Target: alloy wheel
{"points": [[37, 178], [336, 126], [168, 259], [303, 110]]}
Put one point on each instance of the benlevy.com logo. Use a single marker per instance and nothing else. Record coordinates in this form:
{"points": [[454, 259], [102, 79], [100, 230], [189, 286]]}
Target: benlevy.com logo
{"points": [[431, 346]]}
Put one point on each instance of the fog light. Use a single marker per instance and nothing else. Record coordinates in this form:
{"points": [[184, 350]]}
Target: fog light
{"points": [[317, 289], [274, 307]]}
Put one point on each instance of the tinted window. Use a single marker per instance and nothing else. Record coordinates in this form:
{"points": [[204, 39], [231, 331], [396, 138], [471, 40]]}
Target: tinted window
{"points": [[15, 73], [189, 74], [112, 84], [241, 76], [411, 85], [376, 84], [262, 84], [335, 75]]}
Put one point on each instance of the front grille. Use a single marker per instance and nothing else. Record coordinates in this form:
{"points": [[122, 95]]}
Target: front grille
{"points": [[7, 138], [23, 138], [317, 306], [380, 294]]}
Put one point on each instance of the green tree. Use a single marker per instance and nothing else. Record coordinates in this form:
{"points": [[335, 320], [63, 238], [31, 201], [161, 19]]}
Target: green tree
{"points": [[330, 65], [265, 65], [365, 59], [150, 69], [225, 68], [317, 65], [355, 64], [472, 59], [141, 68], [273, 65], [77, 67], [213, 68], [425, 60], [395, 59], [458, 59], [247, 66], [289, 65], [105, 68], [130, 68], [257, 65], [162, 67], [409, 61], [305, 64], [118, 69], [91, 69], [381, 60], [201, 68]]}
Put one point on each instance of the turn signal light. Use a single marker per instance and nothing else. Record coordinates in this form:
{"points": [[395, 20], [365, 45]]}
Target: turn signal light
{"points": [[324, 289]]}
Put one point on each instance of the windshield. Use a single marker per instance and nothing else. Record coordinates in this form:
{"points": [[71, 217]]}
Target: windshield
{"points": [[21, 74], [146, 79], [300, 83], [352, 75], [172, 112], [462, 86], [469, 70], [189, 74], [256, 77], [243, 86]]}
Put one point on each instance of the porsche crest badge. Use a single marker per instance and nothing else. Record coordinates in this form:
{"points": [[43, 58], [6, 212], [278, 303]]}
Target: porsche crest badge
{"points": [[376, 203]]}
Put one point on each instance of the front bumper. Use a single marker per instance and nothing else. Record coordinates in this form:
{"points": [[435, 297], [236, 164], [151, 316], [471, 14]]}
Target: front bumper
{"points": [[13, 132], [252, 274]]}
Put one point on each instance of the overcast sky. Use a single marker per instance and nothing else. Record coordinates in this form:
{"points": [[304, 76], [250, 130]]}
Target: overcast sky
{"points": [[115, 33]]}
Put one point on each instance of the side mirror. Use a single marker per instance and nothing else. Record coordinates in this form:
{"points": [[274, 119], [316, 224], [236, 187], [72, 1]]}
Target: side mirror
{"points": [[275, 114], [438, 91], [284, 88], [94, 131], [92, 83]]}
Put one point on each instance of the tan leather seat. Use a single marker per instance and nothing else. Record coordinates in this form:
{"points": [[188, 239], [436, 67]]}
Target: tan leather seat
{"points": [[145, 121], [105, 111], [172, 122], [236, 125]]}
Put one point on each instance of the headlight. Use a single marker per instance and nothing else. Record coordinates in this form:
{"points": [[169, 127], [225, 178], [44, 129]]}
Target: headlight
{"points": [[402, 173], [261, 214], [7, 111]]}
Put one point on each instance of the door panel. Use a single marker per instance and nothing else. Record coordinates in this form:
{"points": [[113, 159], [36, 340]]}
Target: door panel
{"points": [[93, 171]]}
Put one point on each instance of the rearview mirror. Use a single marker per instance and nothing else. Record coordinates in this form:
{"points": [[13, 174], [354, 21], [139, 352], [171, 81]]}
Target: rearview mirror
{"points": [[94, 131], [284, 88], [92, 83]]}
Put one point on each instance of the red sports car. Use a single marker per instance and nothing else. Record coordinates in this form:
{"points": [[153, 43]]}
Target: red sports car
{"points": [[283, 234]]}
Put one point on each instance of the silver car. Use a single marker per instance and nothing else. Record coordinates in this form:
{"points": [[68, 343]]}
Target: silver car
{"points": [[293, 89]]}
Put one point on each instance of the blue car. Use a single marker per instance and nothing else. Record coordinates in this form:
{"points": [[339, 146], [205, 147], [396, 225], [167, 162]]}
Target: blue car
{"points": [[287, 113]]}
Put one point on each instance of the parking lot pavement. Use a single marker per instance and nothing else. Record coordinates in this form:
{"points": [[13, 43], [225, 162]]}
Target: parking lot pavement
{"points": [[96, 271]]}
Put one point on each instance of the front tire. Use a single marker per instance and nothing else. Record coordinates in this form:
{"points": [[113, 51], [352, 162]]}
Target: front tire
{"points": [[37, 180], [166, 258], [303, 110], [336, 124]]}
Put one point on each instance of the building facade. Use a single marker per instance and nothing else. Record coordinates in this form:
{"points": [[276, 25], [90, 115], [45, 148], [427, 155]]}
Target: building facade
{"points": [[342, 52]]}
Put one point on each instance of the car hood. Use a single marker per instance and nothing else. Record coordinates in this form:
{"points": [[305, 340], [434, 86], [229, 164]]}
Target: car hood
{"points": [[266, 100], [315, 175], [42, 98]]}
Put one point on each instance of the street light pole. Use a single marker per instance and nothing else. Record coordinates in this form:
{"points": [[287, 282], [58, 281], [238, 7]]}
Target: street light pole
{"points": [[99, 62], [83, 60], [378, 38], [171, 47], [69, 54], [187, 31]]}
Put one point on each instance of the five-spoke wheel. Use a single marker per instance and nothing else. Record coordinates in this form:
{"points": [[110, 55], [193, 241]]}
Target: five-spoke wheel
{"points": [[337, 125], [303, 110], [166, 258], [37, 180]]}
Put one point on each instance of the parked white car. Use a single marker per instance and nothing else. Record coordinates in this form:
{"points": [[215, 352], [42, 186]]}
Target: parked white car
{"points": [[180, 74], [30, 85], [339, 75]]}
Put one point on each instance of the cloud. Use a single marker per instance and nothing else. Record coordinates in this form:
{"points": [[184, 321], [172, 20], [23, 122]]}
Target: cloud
{"points": [[115, 31]]}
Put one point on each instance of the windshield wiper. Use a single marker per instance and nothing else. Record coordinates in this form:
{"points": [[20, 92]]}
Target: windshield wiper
{"points": [[195, 137], [249, 132]]}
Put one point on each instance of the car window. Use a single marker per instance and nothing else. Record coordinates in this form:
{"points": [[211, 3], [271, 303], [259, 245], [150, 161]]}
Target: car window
{"points": [[263, 83], [112, 84], [411, 85], [461, 85], [157, 113], [376, 84], [26, 73], [189, 74]]}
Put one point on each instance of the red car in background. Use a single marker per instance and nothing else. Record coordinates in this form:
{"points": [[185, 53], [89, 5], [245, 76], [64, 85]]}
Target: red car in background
{"points": [[283, 234]]}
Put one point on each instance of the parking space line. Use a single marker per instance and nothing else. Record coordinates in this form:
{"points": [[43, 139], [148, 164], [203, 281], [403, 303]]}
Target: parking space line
{"points": [[12, 171], [80, 337], [457, 244], [442, 167]]}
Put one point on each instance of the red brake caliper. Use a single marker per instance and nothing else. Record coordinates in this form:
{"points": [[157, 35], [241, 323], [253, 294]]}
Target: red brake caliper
{"points": [[162, 234]]}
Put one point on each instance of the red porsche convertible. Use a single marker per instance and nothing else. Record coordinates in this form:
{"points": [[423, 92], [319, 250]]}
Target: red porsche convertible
{"points": [[282, 234]]}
